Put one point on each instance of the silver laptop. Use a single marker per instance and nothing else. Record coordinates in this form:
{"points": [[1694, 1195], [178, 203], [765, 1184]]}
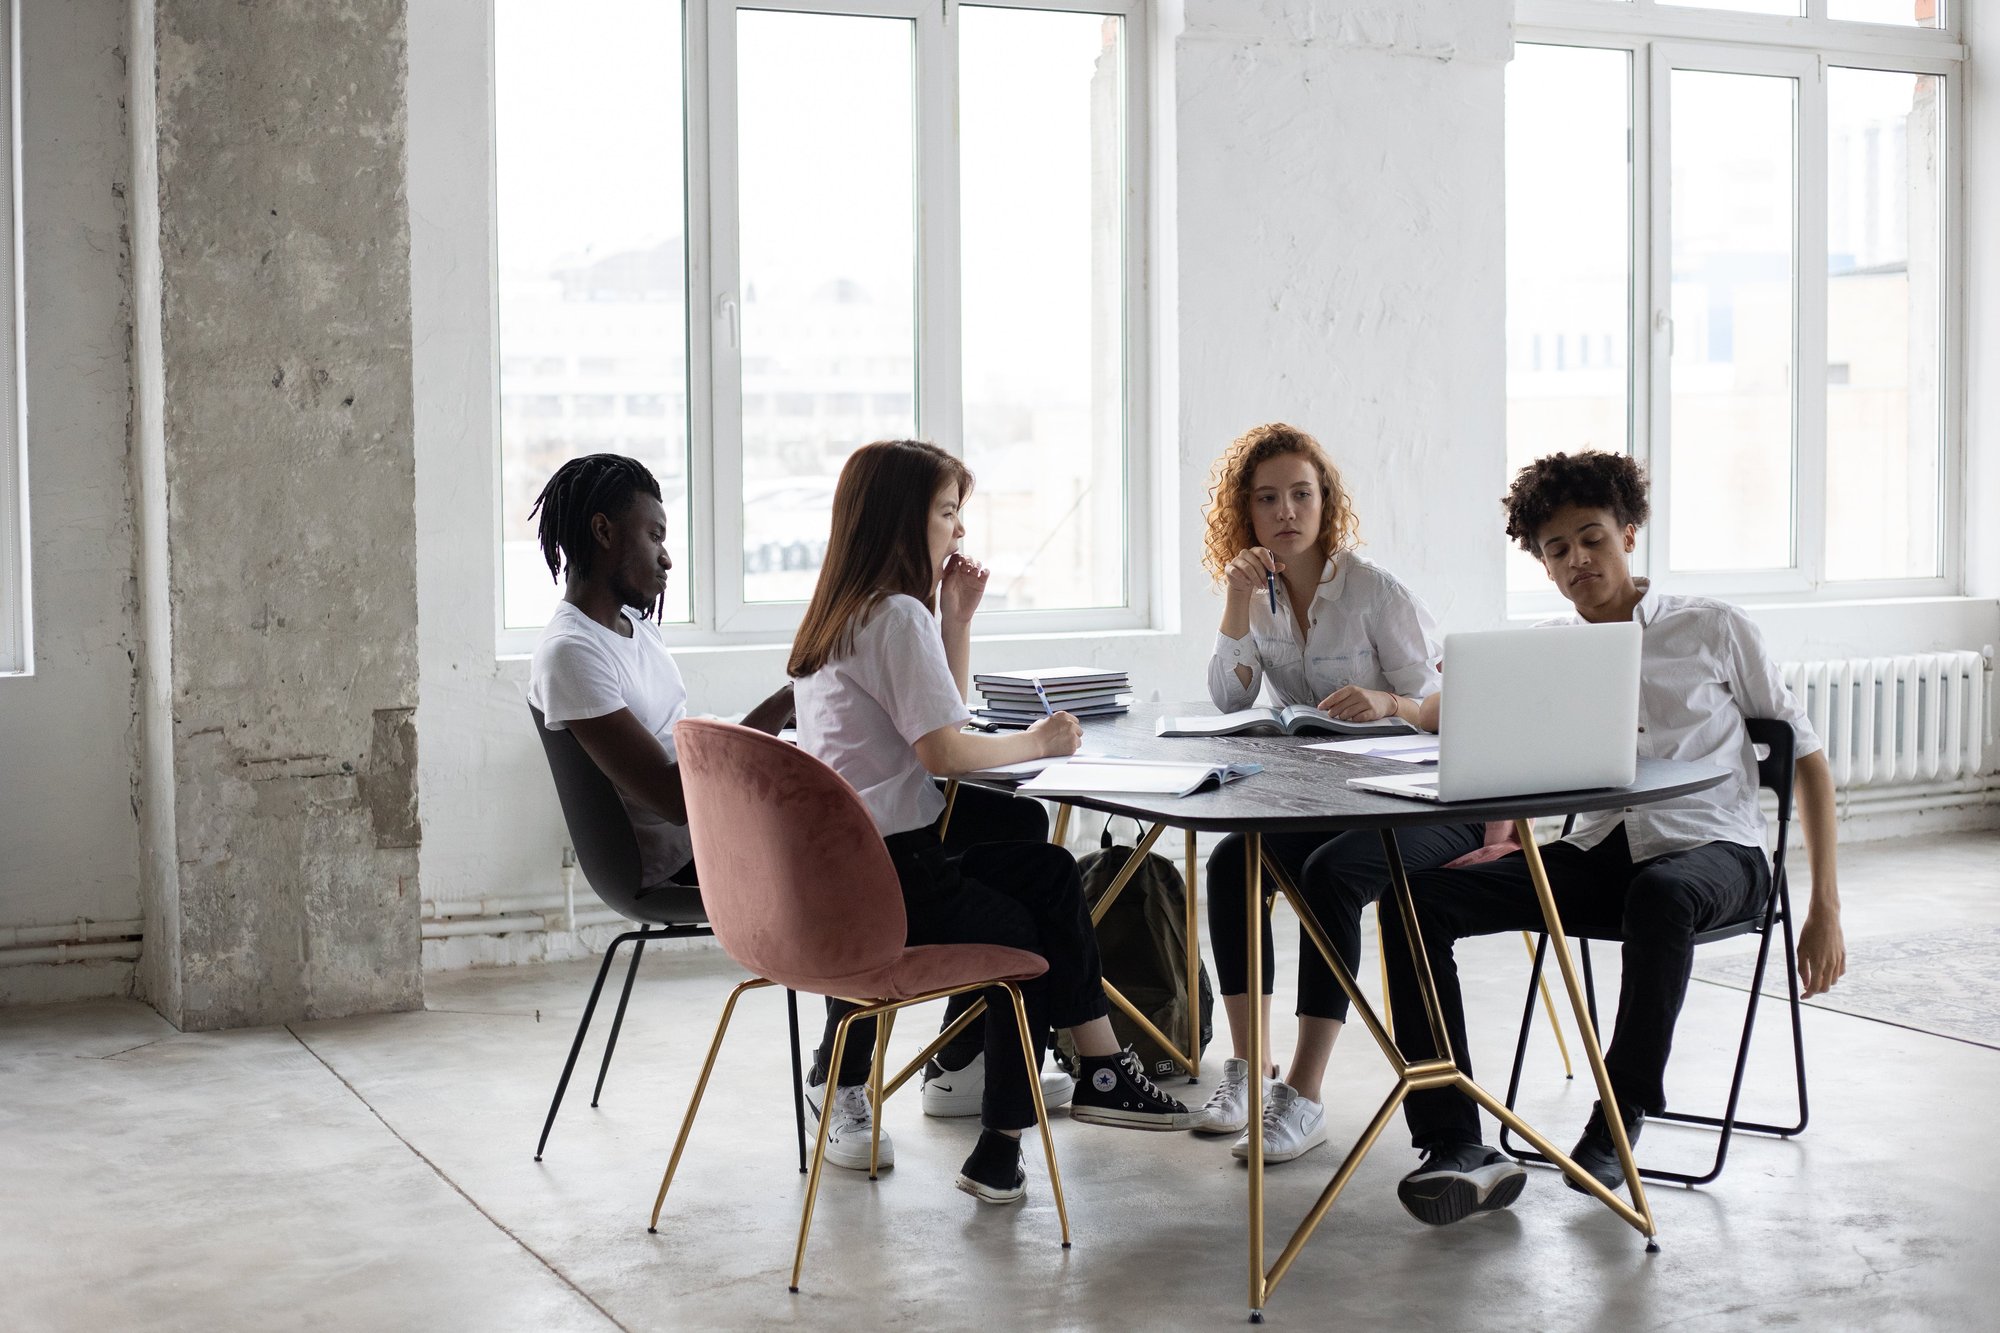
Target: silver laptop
{"points": [[1532, 710]]}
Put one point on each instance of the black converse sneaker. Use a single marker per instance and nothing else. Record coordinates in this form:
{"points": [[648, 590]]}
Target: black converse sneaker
{"points": [[993, 1173], [1114, 1090], [1457, 1180]]}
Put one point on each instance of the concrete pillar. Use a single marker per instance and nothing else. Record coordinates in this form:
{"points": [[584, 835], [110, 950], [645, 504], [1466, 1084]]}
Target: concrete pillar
{"points": [[274, 465]]}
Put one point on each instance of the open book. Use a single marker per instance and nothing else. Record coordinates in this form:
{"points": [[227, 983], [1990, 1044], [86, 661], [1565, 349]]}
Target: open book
{"points": [[1290, 720], [1084, 777]]}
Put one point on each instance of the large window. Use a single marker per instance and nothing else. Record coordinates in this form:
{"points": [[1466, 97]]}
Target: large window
{"points": [[1728, 248], [16, 636], [738, 240]]}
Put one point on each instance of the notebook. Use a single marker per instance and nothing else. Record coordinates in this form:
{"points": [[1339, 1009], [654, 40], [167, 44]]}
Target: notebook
{"points": [[1290, 720], [1085, 777]]}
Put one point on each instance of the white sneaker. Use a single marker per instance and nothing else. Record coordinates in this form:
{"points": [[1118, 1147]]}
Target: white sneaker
{"points": [[949, 1093], [1293, 1126], [1228, 1109], [848, 1136]]}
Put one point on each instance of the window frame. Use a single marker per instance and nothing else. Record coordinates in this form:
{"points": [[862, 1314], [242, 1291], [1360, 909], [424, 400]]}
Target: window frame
{"points": [[17, 623], [721, 617], [1658, 39]]}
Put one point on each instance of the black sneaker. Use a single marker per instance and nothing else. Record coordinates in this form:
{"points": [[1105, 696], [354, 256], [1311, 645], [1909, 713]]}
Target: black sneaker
{"points": [[1114, 1090], [993, 1173], [1594, 1151], [1457, 1180]]}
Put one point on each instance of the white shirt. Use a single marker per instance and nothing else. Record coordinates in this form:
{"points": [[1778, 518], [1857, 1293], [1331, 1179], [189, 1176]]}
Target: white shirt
{"points": [[583, 670], [1363, 628], [863, 712], [1703, 668]]}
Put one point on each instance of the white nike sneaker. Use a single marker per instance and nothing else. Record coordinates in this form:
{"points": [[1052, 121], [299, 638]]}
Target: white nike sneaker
{"points": [[1293, 1126], [1228, 1108], [950, 1093], [848, 1136]]}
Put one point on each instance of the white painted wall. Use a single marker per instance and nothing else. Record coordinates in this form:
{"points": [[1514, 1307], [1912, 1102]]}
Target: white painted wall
{"points": [[1329, 253], [68, 838]]}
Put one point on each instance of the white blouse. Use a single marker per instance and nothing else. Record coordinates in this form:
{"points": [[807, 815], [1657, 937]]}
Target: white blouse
{"points": [[1363, 628], [863, 712]]}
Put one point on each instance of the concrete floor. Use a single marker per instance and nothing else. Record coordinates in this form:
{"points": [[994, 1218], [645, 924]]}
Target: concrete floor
{"points": [[375, 1173]]}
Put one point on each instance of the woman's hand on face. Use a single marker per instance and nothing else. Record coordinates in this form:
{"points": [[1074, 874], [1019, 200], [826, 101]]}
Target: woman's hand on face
{"points": [[1246, 572], [1351, 703], [964, 583], [1059, 733]]}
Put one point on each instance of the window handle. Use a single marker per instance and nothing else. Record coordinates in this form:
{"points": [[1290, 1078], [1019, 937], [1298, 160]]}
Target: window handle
{"points": [[1664, 323], [725, 310]]}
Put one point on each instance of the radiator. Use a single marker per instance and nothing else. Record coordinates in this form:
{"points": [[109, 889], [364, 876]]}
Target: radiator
{"points": [[1897, 720]]}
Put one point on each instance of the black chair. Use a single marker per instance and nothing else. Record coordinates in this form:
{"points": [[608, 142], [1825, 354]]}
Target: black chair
{"points": [[607, 851], [1774, 771]]}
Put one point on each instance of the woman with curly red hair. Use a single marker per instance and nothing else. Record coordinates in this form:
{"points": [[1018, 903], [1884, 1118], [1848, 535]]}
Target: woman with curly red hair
{"points": [[1345, 635]]}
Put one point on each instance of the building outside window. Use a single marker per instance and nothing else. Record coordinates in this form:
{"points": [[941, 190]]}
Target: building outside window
{"points": [[1747, 211], [742, 240]]}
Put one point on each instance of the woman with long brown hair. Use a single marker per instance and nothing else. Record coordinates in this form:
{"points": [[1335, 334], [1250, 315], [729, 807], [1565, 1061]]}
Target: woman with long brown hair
{"points": [[881, 665], [1306, 614]]}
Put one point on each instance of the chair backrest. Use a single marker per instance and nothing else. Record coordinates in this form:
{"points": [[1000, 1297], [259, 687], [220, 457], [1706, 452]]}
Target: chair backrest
{"points": [[600, 831], [797, 881], [1775, 769]]}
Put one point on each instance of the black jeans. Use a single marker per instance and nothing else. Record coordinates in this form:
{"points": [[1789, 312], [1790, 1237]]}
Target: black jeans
{"points": [[1338, 874], [1026, 895], [1655, 907], [978, 814]]}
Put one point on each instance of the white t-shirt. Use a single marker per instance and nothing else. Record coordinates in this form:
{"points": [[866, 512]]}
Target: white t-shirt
{"points": [[862, 713], [1703, 668], [583, 670], [1363, 628]]}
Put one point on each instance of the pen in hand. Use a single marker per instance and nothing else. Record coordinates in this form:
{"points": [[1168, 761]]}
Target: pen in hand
{"points": [[1271, 586], [1043, 695]]}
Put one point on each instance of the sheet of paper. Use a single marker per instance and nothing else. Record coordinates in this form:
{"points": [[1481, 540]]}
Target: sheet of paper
{"points": [[1128, 776], [1027, 768], [1386, 747]]}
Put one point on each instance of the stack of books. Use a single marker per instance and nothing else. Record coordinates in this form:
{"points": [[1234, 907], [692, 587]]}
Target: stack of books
{"points": [[1017, 698]]}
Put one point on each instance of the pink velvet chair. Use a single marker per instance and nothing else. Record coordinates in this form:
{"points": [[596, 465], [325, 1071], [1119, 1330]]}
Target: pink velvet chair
{"points": [[800, 890]]}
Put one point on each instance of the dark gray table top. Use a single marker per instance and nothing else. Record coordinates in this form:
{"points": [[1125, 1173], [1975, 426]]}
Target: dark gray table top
{"points": [[1302, 789]]}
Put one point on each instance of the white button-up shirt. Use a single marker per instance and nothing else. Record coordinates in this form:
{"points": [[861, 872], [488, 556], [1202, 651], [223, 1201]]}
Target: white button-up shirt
{"points": [[1703, 668], [1363, 628]]}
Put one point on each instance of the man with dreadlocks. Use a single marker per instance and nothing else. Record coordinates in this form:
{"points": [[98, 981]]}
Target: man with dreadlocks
{"points": [[602, 671]]}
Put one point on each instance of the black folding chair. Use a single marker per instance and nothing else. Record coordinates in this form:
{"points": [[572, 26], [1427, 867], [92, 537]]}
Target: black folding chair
{"points": [[1774, 771], [607, 851]]}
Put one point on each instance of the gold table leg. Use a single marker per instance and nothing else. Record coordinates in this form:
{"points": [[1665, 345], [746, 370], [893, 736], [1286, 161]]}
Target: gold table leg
{"points": [[1253, 899], [1411, 1076], [1193, 931]]}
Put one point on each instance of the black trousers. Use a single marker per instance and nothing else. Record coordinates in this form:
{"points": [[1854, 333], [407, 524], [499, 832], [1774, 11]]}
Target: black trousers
{"points": [[1024, 894], [1655, 907], [1338, 875]]}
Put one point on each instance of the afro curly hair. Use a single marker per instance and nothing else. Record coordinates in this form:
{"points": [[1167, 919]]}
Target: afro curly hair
{"points": [[1591, 479]]}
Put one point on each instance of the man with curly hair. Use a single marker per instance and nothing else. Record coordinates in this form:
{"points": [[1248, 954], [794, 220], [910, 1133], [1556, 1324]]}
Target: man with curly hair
{"points": [[1653, 876]]}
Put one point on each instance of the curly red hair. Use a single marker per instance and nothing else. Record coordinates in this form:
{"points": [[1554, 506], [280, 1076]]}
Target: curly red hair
{"points": [[1228, 509]]}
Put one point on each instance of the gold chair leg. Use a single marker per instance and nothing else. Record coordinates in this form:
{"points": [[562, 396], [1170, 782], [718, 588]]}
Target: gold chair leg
{"points": [[694, 1103], [1549, 1005], [1062, 825], [883, 1027], [1041, 1108], [819, 1142]]}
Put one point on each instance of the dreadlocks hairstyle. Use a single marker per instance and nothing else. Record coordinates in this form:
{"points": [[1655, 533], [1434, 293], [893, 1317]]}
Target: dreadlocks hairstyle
{"points": [[1228, 510], [1592, 479], [594, 484], [880, 543]]}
